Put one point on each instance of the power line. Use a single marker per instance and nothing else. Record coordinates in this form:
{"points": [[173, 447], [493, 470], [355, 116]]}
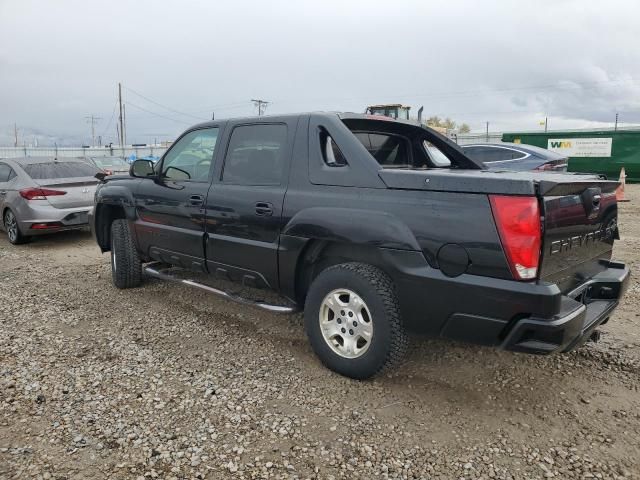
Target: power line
{"points": [[158, 114], [163, 106], [464, 93], [113, 114]]}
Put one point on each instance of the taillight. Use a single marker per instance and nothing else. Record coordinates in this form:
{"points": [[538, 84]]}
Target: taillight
{"points": [[545, 167], [518, 222], [39, 193], [552, 166]]}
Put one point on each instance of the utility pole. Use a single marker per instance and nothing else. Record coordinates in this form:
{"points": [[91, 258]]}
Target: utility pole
{"points": [[120, 119], [487, 132], [546, 123], [124, 125], [261, 104], [615, 129], [93, 120], [15, 134]]}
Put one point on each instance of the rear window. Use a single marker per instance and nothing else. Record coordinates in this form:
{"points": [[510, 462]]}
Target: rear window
{"points": [[51, 170], [388, 150]]}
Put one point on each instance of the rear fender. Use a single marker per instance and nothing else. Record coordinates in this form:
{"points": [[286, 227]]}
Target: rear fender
{"points": [[351, 225], [316, 232]]}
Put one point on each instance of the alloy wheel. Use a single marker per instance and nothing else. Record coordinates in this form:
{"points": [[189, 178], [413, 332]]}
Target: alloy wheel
{"points": [[346, 323], [11, 224]]}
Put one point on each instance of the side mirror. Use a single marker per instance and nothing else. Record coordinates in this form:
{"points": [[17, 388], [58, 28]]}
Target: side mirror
{"points": [[142, 169]]}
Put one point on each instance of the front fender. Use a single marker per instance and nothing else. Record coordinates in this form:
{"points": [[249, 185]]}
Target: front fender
{"points": [[110, 202], [116, 196]]}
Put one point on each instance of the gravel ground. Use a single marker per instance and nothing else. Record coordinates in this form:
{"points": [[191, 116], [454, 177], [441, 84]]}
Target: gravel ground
{"points": [[167, 382]]}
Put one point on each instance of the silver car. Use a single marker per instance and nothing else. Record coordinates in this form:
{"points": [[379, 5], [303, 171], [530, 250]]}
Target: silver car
{"points": [[44, 195]]}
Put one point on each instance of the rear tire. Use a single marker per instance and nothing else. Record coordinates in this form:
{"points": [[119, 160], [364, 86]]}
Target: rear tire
{"points": [[13, 230], [352, 318], [126, 269]]}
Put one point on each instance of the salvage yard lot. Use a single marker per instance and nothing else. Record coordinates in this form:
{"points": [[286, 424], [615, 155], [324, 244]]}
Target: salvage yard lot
{"points": [[167, 382]]}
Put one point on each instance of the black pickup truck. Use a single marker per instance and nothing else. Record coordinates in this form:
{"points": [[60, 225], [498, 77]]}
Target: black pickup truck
{"points": [[375, 228]]}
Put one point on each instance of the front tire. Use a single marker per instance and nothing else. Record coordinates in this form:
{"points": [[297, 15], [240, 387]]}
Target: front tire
{"points": [[352, 318], [126, 268], [13, 230]]}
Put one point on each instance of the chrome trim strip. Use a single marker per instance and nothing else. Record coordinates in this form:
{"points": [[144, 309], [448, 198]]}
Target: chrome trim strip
{"points": [[158, 273]]}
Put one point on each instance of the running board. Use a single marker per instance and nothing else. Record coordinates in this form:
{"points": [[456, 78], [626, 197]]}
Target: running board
{"points": [[152, 270]]}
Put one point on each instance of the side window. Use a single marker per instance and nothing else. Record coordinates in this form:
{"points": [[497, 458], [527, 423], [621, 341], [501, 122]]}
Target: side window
{"points": [[481, 154], [5, 171], [256, 155], [190, 158], [515, 154], [12, 174], [331, 153], [497, 154]]}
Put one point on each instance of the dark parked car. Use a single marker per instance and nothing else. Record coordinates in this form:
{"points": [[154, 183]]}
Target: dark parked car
{"points": [[515, 156], [356, 220]]}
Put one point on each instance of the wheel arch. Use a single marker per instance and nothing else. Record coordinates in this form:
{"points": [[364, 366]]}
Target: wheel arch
{"points": [[105, 214], [318, 255]]}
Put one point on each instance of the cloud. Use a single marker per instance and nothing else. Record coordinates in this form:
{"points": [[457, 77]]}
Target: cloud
{"points": [[508, 63]]}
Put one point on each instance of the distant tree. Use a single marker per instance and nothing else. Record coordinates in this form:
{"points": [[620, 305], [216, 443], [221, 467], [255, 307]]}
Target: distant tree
{"points": [[434, 121], [447, 123]]}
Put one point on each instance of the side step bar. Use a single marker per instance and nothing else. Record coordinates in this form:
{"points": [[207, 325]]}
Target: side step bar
{"points": [[153, 270]]}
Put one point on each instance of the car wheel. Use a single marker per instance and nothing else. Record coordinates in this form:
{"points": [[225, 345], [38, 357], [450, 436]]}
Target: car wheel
{"points": [[126, 270], [13, 230], [353, 321]]}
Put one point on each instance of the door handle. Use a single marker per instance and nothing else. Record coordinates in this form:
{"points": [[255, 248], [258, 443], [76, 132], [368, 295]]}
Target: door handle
{"points": [[196, 200], [264, 209]]}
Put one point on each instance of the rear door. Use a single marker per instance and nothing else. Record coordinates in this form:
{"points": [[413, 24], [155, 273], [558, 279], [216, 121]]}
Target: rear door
{"points": [[244, 204], [170, 209]]}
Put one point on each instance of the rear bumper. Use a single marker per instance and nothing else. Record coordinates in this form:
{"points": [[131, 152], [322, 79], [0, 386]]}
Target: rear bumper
{"points": [[55, 219], [532, 317], [581, 312]]}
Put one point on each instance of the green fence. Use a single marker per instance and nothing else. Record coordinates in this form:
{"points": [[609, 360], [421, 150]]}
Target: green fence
{"points": [[596, 151]]}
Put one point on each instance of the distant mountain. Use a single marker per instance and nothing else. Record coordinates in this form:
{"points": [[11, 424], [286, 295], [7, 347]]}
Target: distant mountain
{"points": [[32, 136]]}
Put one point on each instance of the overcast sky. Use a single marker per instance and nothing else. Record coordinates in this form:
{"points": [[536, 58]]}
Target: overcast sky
{"points": [[507, 62]]}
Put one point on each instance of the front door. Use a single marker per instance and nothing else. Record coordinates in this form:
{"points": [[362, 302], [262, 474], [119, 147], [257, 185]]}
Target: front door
{"points": [[170, 209], [244, 205]]}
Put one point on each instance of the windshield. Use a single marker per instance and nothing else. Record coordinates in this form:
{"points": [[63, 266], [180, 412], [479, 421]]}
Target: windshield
{"points": [[110, 162]]}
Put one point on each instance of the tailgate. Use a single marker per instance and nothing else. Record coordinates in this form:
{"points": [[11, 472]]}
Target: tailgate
{"points": [[580, 225]]}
